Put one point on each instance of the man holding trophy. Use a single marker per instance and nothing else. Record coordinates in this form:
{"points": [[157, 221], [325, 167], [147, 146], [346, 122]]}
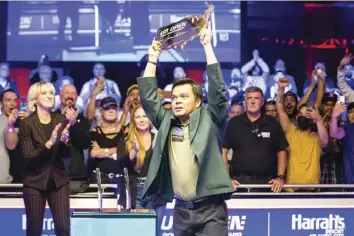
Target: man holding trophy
{"points": [[186, 164]]}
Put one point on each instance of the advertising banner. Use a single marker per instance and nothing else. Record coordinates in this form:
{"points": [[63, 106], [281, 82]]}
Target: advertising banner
{"points": [[241, 222]]}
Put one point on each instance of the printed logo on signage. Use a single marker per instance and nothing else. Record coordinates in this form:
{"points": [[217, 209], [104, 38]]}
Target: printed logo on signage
{"points": [[236, 224], [333, 225], [48, 225]]}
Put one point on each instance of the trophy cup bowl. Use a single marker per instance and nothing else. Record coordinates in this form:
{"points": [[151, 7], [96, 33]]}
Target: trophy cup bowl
{"points": [[178, 34]]}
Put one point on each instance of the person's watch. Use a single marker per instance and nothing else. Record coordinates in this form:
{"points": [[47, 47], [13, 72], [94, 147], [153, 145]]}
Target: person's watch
{"points": [[280, 177]]}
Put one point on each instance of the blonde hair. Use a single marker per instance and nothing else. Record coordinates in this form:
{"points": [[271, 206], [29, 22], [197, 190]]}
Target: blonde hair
{"points": [[99, 117], [133, 132], [33, 93]]}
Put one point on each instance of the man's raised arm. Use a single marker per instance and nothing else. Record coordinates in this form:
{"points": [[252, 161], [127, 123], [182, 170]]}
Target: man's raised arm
{"points": [[148, 87], [217, 100]]}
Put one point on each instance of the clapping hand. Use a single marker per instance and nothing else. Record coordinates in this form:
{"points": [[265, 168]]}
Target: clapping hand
{"points": [[54, 136], [133, 153], [65, 134], [71, 115]]}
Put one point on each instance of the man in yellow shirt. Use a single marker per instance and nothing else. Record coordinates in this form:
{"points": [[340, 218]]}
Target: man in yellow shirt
{"points": [[305, 146]]}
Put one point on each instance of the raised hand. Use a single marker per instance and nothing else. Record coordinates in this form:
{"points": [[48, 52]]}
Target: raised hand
{"points": [[127, 106], [99, 86], [345, 60], [71, 115], [255, 54], [12, 117], [205, 36], [283, 83], [312, 114], [65, 134], [320, 73], [154, 51], [338, 109]]}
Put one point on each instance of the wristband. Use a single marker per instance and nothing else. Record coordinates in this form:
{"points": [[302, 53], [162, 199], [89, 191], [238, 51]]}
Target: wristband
{"points": [[154, 63], [280, 177]]}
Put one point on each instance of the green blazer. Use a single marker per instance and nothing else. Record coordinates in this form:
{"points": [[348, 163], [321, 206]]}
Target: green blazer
{"points": [[205, 131]]}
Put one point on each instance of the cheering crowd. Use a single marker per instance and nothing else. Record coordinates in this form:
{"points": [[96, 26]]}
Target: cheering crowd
{"points": [[170, 141]]}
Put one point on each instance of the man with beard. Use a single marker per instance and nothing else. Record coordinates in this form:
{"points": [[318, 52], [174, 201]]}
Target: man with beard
{"points": [[305, 145], [134, 100], [236, 87], [271, 109], [291, 100], [75, 160]]}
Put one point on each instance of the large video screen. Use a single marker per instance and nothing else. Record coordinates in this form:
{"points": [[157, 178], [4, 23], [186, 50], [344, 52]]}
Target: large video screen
{"points": [[114, 30]]}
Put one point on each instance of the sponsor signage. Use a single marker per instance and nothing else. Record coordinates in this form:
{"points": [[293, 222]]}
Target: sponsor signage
{"points": [[241, 222]]}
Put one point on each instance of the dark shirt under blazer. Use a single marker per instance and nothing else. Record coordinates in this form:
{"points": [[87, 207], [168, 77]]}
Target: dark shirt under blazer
{"points": [[205, 129], [41, 161]]}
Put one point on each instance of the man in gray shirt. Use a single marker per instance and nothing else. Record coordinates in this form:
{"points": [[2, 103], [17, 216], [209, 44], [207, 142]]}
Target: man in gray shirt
{"points": [[8, 135]]}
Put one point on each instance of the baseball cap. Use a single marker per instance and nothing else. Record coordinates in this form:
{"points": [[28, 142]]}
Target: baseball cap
{"points": [[329, 97], [291, 94], [108, 102]]}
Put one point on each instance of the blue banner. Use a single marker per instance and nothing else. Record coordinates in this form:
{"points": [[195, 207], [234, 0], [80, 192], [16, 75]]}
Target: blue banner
{"points": [[241, 222]]}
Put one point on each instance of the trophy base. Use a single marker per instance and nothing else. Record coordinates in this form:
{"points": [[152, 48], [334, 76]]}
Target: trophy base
{"points": [[113, 222]]}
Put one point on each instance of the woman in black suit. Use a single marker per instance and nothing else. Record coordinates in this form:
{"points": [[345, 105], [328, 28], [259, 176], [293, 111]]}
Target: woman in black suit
{"points": [[44, 136]]}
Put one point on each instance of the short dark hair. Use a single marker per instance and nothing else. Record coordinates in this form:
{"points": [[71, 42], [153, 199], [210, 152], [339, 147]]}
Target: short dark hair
{"points": [[6, 91], [233, 103], [270, 103], [196, 88], [253, 89]]}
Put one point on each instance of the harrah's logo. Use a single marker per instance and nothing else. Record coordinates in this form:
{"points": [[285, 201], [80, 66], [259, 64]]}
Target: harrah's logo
{"points": [[48, 223], [331, 222]]}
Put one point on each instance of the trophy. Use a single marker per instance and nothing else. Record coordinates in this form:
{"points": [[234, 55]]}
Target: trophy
{"points": [[177, 35]]}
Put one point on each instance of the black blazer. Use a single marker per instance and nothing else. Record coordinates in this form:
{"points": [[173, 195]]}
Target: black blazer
{"points": [[41, 161]]}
